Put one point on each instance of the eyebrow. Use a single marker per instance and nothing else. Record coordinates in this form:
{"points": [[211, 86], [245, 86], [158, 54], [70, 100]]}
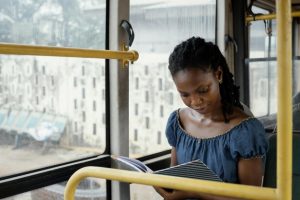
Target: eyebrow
{"points": [[199, 88]]}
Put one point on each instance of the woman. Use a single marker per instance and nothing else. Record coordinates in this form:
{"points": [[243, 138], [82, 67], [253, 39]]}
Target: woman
{"points": [[213, 127]]}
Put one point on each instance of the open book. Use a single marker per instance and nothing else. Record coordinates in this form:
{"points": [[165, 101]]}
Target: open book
{"points": [[194, 169]]}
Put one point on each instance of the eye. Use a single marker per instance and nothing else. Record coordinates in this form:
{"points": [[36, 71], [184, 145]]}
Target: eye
{"points": [[184, 95], [202, 90]]}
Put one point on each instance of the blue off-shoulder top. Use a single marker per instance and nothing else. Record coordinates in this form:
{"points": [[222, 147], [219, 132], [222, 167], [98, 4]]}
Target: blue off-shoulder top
{"points": [[221, 153]]}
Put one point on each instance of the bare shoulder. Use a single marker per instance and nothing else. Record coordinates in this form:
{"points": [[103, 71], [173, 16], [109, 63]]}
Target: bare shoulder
{"points": [[183, 113], [238, 116]]}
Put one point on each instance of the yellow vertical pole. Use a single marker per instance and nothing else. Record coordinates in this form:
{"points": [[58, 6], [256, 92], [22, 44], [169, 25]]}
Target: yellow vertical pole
{"points": [[284, 117]]}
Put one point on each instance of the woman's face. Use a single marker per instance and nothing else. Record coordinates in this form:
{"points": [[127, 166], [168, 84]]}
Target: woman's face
{"points": [[198, 89]]}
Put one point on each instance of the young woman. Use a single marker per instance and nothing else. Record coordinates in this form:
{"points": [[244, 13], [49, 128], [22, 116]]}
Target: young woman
{"points": [[213, 127]]}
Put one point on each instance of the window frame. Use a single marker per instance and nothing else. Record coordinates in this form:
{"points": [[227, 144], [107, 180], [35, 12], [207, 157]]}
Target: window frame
{"points": [[34, 179]]}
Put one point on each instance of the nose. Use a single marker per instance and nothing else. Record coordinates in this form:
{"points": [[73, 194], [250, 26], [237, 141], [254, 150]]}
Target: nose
{"points": [[196, 101]]}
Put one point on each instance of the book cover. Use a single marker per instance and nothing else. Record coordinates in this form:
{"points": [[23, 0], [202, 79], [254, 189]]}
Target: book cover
{"points": [[194, 169]]}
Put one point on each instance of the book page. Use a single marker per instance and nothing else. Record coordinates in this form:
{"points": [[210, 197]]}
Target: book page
{"points": [[130, 164]]}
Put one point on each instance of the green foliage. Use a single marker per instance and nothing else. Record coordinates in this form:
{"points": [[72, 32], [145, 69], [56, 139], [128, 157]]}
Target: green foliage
{"points": [[65, 23]]}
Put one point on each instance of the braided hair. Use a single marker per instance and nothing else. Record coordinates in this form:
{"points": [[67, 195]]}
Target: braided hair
{"points": [[197, 53]]}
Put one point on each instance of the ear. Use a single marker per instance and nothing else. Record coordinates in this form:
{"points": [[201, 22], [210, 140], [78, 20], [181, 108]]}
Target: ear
{"points": [[219, 74]]}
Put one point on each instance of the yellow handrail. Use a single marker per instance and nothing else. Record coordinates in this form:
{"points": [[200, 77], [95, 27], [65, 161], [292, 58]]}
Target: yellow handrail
{"points": [[187, 184], [250, 18], [284, 115], [17, 49]]}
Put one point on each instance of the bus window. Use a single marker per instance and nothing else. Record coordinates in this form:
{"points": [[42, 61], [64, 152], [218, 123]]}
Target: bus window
{"points": [[159, 26], [262, 66], [50, 107]]}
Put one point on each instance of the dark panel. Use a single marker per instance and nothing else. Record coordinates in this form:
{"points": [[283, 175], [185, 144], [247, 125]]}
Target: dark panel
{"points": [[241, 71], [20, 183]]}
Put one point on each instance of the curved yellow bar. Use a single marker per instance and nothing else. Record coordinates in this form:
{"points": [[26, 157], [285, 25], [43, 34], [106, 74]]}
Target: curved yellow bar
{"points": [[17, 49], [192, 185]]}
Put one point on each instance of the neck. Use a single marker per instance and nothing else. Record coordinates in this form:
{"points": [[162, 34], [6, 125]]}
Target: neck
{"points": [[214, 116]]}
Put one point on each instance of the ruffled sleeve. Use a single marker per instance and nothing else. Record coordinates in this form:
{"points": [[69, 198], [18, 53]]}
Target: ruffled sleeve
{"points": [[248, 140], [170, 129]]}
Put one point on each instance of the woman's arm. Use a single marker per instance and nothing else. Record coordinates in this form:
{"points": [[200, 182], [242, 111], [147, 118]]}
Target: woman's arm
{"points": [[173, 157], [251, 171], [245, 166]]}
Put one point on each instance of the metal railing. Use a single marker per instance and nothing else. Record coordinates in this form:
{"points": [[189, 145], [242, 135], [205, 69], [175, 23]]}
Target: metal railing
{"points": [[186, 184], [17, 49], [250, 18]]}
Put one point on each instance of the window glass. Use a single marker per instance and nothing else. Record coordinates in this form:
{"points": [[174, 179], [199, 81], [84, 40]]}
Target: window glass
{"points": [[50, 122], [262, 66], [258, 34], [87, 189], [296, 77], [159, 26], [263, 88], [296, 96], [66, 23]]}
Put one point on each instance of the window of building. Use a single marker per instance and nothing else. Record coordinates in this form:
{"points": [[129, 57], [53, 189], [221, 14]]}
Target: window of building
{"points": [[136, 83], [94, 105], [171, 98], [44, 90], [52, 103], [103, 118], [135, 138], [158, 137], [83, 93], [94, 82], [147, 122], [94, 129], [147, 96], [161, 110], [103, 94], [160, 87], [83, 116], [136, 109], [146, 70], [83, 70]]}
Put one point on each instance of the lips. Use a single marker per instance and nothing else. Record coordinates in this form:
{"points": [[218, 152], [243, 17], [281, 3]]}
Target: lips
{"points": [[200, 109]]}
